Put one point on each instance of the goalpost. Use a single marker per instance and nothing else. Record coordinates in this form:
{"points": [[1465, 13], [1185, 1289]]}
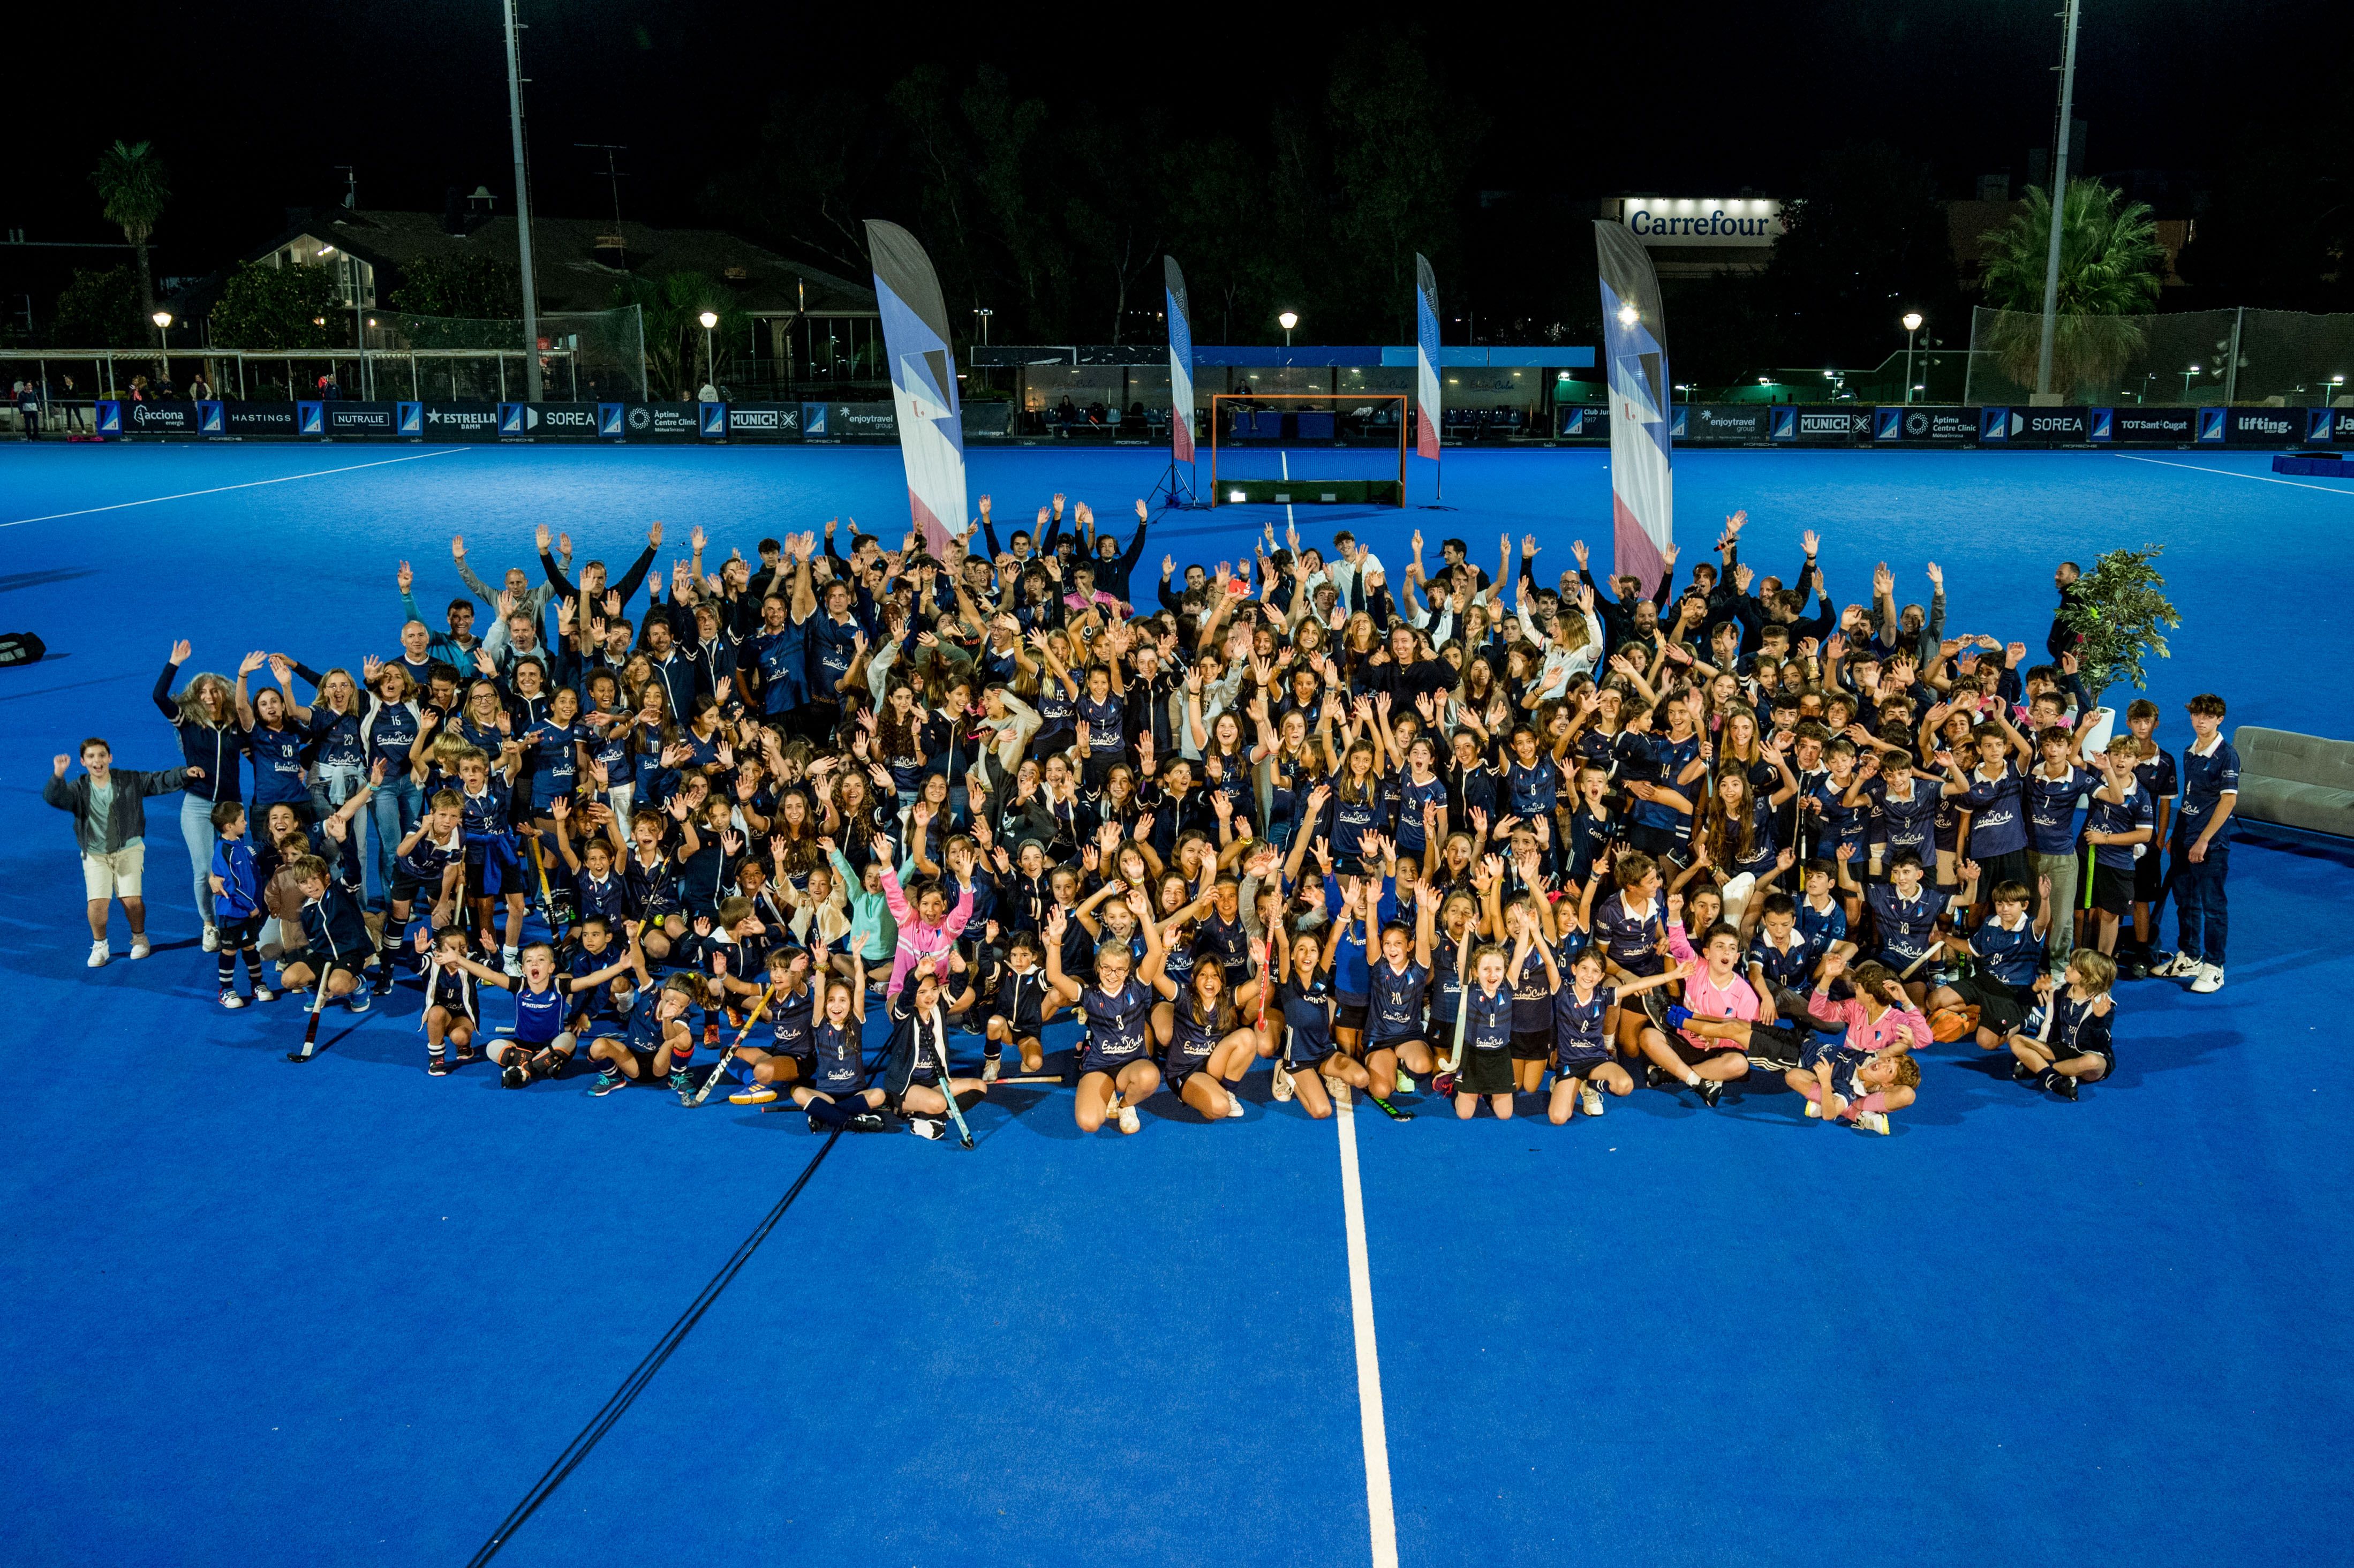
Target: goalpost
{"points": [[1344, 416]]}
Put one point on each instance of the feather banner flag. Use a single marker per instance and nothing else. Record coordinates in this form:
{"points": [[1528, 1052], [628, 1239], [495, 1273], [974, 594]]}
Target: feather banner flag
{"points": [[1425, 359], [923, 382], [1635, 358], [1180, 363]]}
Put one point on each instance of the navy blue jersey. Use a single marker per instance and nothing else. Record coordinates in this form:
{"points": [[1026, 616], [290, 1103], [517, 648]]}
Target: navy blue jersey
{"points": [[1905, 822], [1490, 1024], [1531, 994], [2206, 780], [1308, 1019], [488, 814], [336, 740], [1530, 790], [1823, 926], [2051, 808], [2013, 958], [606, 897], [1353, 964], [2135, 811], [1589, 838], [1107, 724], [2076, 1031], [1785, 967], [595, 1003], [1116, 1025], [1225, 942], [1396, 1010], [653, 888], [1628, 938], [1022, 1000], [1905, 925], [792, 1021], [391, 732], [556, 760], [647, 1031], [841, 1060], [781, 656], [1997, 813], [1351, 819], [278, 764], [539, 1014], [1411, 797], [426, 860], [1192, 1038], [1577, 1025]]}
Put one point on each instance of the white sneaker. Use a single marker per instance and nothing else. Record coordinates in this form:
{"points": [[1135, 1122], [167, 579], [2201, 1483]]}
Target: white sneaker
{"points": [[139, 947], [1127, 1121], [2182, 966], [925, 1127], [1814, 1110], [1234, 1104], [1872, 1121], [212, 939], [2211, 978], [1405, 1082], [513, 964], [989, 1070], [1589, 1100], [99, 952], [1283, 1087]]}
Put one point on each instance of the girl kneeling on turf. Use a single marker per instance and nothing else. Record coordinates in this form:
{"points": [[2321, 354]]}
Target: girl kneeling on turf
{"points": [[1116, 1072], [1205, 1042], [1310, 1054], [836, 1095], [1582, 1023]]}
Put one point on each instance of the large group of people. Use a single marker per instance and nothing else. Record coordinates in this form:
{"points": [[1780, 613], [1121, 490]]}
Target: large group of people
{"points": [[1444, 836]]}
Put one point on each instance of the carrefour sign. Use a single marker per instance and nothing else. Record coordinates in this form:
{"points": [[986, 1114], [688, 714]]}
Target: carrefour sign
{"points": [[1684, 220]]}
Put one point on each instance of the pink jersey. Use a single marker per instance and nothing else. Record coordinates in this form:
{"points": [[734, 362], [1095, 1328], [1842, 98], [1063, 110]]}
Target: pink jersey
{"points": [[1734, 998], [921, 944], [1896, 1027]]}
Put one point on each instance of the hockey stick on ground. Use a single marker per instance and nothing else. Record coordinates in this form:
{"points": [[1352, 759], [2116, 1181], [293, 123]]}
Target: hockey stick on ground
{"points": [[1463, 1004], [311, 1029], [720, 1066], [948, 1086]]}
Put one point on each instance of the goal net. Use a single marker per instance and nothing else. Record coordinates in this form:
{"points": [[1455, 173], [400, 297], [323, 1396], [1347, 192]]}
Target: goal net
{"points": [[1304, 447]]}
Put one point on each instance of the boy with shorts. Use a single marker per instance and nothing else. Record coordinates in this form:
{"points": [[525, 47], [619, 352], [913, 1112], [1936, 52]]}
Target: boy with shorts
{"points": [[109, 818], [2118, 830], [2068, 1040]]}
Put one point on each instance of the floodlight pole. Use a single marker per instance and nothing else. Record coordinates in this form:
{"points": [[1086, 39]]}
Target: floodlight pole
{"points": [[2058, 205], [523, 212]]}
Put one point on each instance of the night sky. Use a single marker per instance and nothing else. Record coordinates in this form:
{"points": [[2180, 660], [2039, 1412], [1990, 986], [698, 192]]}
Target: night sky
{"points": [[253, 105]]}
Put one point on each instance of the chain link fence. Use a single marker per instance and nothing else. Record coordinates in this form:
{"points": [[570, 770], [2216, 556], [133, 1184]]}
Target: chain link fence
{"points": [[2190, 358]]}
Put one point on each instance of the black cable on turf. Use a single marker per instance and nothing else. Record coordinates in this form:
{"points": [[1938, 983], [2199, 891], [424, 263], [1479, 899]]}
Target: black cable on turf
{"points": [[634, 1384]]}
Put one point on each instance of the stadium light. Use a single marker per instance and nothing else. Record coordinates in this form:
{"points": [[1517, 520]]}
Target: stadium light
{"points": [[710, 362], [1912, 326], [163, 320], [1628, 315], [1286, 321]]}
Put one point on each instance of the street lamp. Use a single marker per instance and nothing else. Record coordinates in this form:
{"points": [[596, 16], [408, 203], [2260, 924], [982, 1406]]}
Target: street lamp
{"points": [[1911, 324], [710, 363], [2337, 389], [1286, 321], [2186, 381], [163, 320]]}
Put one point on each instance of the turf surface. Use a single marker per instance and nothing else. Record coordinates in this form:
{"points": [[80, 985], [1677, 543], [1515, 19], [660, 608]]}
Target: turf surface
{"points": [[345, 1313]]}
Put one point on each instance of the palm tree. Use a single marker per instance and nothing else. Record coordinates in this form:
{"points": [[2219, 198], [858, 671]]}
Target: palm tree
{"points": [[2110, 265], [135, 184]]}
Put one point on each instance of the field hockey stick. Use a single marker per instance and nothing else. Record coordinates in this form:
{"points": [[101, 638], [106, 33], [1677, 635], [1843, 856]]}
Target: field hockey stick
{"points": [[719, 1068], [311, 1029], [1463, 1001], [947, 1087]]}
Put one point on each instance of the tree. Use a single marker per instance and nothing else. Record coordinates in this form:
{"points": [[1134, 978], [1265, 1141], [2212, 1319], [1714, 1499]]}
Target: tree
{"points": [[264, 306], [670, 306], [100, 310], [2110, 267], [466, 288], [135, 185], [2118, 610], [1401, 145]]}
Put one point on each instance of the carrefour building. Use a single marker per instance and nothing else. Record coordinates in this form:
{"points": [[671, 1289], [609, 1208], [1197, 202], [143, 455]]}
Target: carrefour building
{"points": [[1693, 236]]}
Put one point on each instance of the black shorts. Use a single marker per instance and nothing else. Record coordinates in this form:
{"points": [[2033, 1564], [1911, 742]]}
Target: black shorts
{"points": [[645, 1060], [1999, 1006], [1531, 1044], [1657, 843], [1351, 1015], [2113, 889], [1485, 1073], [2018, 866], [1585, 1064], [1691, 1057], [2149, 876]]}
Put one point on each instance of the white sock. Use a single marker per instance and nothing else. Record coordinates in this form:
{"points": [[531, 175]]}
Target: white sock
{"points": [[507, 953], [1691, 1079]]}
